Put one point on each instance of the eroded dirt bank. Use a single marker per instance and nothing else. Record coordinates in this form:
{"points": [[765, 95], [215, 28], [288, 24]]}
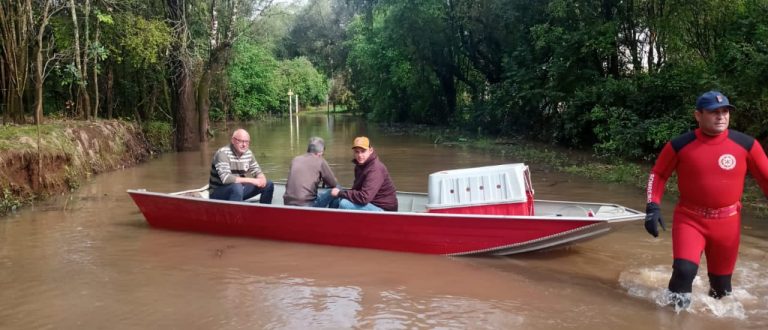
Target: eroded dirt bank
{"points": [[57, 157]]}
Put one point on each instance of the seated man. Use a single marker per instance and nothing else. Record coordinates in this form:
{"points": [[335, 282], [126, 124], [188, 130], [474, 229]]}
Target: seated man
{"points": [[373, 189], [305, 173], [235, 174]]}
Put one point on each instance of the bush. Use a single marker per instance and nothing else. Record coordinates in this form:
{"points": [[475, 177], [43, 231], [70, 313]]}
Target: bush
{"points": [[9, 202], [159, 135]]}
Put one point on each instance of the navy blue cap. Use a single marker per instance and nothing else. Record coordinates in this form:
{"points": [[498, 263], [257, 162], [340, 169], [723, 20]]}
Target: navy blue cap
{"points": [[713, 100]]}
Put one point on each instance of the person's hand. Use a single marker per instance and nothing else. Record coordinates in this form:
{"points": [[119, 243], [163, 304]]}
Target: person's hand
{"points": [[652, 216], [335, 192], [261, 181]]}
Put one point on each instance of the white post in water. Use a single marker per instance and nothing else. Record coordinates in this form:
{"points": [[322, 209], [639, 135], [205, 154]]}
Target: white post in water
{"points": [[290, 100], [290, 115], [297, 104], [297, 127]]}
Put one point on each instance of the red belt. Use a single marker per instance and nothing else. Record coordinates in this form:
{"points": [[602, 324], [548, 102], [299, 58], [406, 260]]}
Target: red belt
{"points": [[713, 213]]}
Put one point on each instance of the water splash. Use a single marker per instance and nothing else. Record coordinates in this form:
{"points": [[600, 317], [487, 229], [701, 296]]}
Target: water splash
{"points": [[679, 301], [728, 306], [749, 281]]}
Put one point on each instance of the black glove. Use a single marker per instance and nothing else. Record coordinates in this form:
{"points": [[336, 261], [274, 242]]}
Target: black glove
{"points": [[653, 215]]}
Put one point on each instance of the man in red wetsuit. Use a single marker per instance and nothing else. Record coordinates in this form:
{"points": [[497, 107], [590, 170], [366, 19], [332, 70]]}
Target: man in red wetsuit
{"points": [[711, 164]]}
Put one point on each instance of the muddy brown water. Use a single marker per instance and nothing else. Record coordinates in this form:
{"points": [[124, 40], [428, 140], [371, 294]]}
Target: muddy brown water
{"points": [[88, 260]]}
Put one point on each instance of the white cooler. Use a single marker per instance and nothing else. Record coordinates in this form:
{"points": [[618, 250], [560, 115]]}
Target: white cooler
{"points": [[499, 189]]}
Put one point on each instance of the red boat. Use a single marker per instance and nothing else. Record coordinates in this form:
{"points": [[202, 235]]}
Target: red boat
{"points": [[485, 210]]}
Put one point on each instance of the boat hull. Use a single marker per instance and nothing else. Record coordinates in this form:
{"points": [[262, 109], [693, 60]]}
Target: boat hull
{"points": [[417, 232]]}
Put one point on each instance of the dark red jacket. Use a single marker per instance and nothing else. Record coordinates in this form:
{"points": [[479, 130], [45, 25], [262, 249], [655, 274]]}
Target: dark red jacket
{"points": [[372, 185]]}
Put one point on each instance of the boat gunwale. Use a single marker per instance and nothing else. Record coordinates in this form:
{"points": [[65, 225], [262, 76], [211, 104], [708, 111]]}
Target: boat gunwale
{"points": [[616, 219]]}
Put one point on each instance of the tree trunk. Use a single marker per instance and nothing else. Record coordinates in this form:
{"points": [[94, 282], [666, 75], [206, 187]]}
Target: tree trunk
{"points": [[224, 101], [152, 103], [138, 104], [614, 69], [110, 92], [83, 100], [651, 47], [86, 96], [39, 67], [76, 32], [185, 121], [203, 88], [204, 103], [15, 31], [96, 77], [183, 98], [448, 85], [3, 90], [39, 89], [216, 56], [14, 106]]}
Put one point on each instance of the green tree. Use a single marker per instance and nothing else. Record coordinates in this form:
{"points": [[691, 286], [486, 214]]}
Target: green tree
{"points": [[300, 76], [252, 77], [414, 43], [138, 47]]}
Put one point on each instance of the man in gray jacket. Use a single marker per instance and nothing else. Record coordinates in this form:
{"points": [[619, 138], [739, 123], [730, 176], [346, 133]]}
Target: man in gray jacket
{"points": [[306, 173]]}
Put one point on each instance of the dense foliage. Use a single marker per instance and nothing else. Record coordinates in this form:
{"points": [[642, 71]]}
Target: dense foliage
{"points": [[182, 62], [252, 86], [620, 77], [617, 77]]}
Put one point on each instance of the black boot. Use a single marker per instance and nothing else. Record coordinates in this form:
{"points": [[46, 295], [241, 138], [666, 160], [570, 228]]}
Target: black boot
{"points": [[719, 285]]}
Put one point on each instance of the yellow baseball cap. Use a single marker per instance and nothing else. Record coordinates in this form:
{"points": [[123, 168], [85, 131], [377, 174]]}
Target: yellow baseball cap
{"points": [[361, 142]]}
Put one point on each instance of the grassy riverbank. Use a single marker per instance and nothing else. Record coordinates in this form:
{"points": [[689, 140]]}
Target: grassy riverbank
{"points": [[39, 161], [325, 109]]}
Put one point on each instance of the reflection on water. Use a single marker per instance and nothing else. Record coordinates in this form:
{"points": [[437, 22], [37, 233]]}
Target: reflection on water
{"points": [[295, 303], [88, 260], [298, 303]]}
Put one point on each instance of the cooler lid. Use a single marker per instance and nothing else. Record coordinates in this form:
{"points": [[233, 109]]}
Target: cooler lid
{"points": [[479, 185]]}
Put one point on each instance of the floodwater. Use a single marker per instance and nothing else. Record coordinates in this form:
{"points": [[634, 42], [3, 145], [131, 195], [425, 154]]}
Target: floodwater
{"points": [[88, 260]]}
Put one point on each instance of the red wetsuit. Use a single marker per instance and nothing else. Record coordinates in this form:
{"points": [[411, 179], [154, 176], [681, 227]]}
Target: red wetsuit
{"points": [[711, 172]]}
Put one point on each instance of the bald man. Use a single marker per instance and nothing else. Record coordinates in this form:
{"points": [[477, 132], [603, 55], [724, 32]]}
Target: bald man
{"points": [[235, 174]]}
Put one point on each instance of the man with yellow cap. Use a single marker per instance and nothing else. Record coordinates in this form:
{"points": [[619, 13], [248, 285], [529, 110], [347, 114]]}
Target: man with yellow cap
{"points": [[373, 189]]}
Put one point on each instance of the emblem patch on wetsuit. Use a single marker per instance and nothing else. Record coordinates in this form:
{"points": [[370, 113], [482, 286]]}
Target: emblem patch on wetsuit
{"points": [[727, 162]]}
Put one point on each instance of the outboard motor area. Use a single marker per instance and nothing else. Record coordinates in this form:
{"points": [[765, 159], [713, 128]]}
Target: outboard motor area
{"points": [[497, 190]]}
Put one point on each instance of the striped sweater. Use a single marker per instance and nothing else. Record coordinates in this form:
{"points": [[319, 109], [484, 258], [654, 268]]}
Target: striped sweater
{"points": [[226, 166]]}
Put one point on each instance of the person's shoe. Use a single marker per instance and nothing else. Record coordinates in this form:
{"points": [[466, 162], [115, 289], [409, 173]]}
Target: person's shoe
{"points": [[719, 294], [682, 301], [678, 300]]}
